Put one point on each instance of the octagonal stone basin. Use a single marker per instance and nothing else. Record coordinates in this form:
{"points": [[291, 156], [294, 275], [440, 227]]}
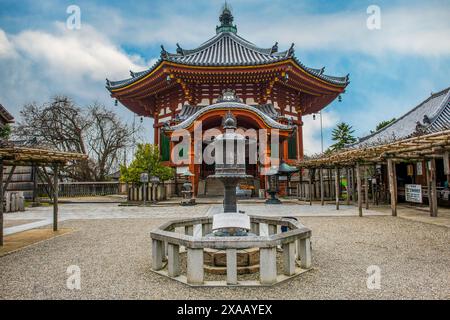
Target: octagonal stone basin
{"points": [[295, 244]]}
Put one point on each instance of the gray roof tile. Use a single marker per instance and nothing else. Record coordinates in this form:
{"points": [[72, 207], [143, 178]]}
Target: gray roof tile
{"points": [[432, 115]]}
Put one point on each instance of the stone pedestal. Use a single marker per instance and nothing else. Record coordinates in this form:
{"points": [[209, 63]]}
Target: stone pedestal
{"points": [[268, 268], [157, 254], [173, 260], [195, 272], [231, 266], [289, 259], [230, 199], [304, 253], [247, 261]]}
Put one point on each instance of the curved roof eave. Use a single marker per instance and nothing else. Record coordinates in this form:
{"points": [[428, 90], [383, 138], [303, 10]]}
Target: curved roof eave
{"points": [[116, 85], [271, 123]]}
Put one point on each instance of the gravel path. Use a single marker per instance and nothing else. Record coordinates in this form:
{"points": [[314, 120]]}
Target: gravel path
{"points": [[114, 257]]}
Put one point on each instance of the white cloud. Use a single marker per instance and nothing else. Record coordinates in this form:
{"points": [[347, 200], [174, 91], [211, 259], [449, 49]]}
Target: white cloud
{"points": [[419, 29], [311, 131], [6, 48], [36, 65], [75, 54], [411, 30]]}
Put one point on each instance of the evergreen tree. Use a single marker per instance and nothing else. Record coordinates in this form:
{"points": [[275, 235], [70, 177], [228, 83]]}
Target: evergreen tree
{"points": [[147, 159], [383, 124], [342, 135]]}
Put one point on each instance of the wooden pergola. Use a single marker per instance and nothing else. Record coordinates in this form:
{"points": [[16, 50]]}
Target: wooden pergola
{"points": [[20, 156], [427, 147]]}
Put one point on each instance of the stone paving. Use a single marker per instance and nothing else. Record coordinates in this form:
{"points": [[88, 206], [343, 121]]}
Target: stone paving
{"points": [[112, 246]]}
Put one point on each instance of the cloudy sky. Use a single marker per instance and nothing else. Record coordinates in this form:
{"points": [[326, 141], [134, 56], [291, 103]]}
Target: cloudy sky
{"points": [[391, 69]]}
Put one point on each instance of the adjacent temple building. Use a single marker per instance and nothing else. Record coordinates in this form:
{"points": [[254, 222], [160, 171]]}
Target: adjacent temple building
{"points": [[265, 88]]}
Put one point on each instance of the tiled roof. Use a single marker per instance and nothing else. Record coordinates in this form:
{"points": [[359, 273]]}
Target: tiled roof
{"points": [[432, 115], [186, 121], [188, 110], [6, 117], [229, 50]]}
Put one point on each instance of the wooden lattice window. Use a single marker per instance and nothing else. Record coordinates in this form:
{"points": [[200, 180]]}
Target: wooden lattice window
{"points": [[292, 147], [164, 147]]}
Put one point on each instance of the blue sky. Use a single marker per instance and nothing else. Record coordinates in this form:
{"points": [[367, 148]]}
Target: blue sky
{"points": [[391, 69]]}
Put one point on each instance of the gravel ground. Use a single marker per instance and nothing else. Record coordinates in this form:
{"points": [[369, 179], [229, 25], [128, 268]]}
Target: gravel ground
{"points": [[114, 257]]}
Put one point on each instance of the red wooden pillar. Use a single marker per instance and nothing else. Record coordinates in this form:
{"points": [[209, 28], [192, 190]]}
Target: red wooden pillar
{"points": [[284, 153], [300, 153], [156, 128]]}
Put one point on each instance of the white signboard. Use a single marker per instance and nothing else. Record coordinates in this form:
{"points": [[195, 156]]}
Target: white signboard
{"points": [[144, 177], [419, 168], [231, 220], [413, 193], [182, 170]]}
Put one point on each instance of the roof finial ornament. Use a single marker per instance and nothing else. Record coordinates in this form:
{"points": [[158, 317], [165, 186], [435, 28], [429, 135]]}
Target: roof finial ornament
{"points": [[274, 48], [229, 121], [226, 20], [180, 49], [228, 95], [291, 49], [163, 52]]}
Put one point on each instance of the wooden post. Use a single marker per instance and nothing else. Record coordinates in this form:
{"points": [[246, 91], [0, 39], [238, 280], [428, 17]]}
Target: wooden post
{"points": [[55, 197], [375, 188], [366, 189], [352, 170], [446, 160], [392, 186], [322, 200], [35, 184], [330, 184], [433, 205], [311, 175], [2, 199], [336, 185], [347, 176], [359, 190], [300, 191], [3, 188]]}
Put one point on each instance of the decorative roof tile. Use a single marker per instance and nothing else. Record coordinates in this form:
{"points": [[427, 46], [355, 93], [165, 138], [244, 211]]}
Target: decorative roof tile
{"points": [[187, 120], [432, 115], [5, 116], [228, 49]]}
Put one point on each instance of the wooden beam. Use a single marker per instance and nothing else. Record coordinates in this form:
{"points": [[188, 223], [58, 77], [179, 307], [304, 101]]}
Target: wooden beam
{"points": [[358, 184], [48, 186], [392, 186], [8, 180], [336, 185]]}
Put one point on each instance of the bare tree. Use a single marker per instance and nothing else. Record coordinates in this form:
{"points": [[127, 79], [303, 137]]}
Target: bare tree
{"points": [[61, 125], [106, 137]]}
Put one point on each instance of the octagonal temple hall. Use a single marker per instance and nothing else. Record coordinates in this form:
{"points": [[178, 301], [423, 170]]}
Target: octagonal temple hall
{"points": [[269, 88]]}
